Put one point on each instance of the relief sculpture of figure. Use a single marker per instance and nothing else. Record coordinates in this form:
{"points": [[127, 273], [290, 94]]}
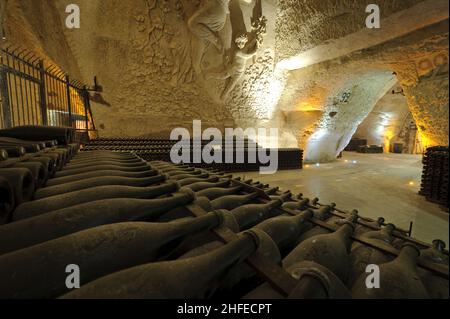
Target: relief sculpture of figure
{"points": [[246, 47], [208, 20]]}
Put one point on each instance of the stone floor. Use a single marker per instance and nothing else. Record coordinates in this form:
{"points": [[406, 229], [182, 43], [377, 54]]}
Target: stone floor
{"points": [[376, 184]]}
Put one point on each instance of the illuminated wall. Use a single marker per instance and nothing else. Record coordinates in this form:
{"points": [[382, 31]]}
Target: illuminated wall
{"points": [[317, 74], [384, 124]]}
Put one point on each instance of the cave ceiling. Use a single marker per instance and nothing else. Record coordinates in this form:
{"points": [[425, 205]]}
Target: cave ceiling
{"points": [[310, 68]]}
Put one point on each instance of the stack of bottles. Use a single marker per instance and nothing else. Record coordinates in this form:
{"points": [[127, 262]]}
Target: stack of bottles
{"points": [[435, 180], [371, 149], [355, 143], [152, 149], [138, 229], [29, 157]]}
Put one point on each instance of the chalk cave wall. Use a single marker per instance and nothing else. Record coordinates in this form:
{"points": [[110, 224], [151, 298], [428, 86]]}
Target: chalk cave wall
{"points": [[157, 75], [389, 122]]}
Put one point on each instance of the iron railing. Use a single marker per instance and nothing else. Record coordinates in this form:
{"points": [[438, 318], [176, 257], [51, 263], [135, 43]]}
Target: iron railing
{"points": [[33, 93]]}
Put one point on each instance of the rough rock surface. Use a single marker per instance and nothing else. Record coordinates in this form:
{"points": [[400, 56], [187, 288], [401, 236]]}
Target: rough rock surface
{"points": [[157, 73]]}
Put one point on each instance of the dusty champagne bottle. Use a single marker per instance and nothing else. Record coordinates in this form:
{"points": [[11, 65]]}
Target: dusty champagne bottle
{"points": [[80, 160], [323, 213], [437, 286], [53, 157], [79, 177], [232, 201], [181, 212], [48, 204], [216, 192], [29, 147], [49, 164], [100, 154], [362, 255], [76, 161], [271, 190], [4, 155], [15, 151], [284, 230], [6, 200], [297, 205], [38, 133], [329, 250], [435, 253], [185, 176], [286, 196], [106, 160], [71, 166], [184, 278], [21, 181], [102, 167], [174, 168], [316, 281], [37, 170], [202, 242], [240, 272], [62, 155], [97, 251], [69, 220], [248, 215], [181, 172], [98, 181], [376, 223], [192, 180], [399, 279], [204, 185]]}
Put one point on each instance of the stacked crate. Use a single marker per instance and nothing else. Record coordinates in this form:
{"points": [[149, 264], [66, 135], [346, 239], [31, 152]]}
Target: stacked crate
{"points": [[158, 149], [435, 175]]}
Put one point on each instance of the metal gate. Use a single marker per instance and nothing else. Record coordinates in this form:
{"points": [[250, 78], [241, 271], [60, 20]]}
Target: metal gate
{"points": [[32, 93]]}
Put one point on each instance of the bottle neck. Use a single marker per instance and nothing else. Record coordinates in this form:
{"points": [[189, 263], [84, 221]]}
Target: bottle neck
{"points": [[273, 204], [345, 231], [193, 225], [309, 287], [302, 217], [211, 265], [166, 188], [323, 212], [408, 256], [386, 233], [143, 208]]}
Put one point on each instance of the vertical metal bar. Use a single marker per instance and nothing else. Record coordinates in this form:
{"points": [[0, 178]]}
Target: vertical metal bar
{"points": [[10, 90], [86, 103], [34, 119], [7, 122], [60, 103], [69, 100], [31, 119], [59, 84], [42, 92], [28, 90], [64, 101], [58, 111], [54, 103], [16, 90], [410, 228], [23, 90]]}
